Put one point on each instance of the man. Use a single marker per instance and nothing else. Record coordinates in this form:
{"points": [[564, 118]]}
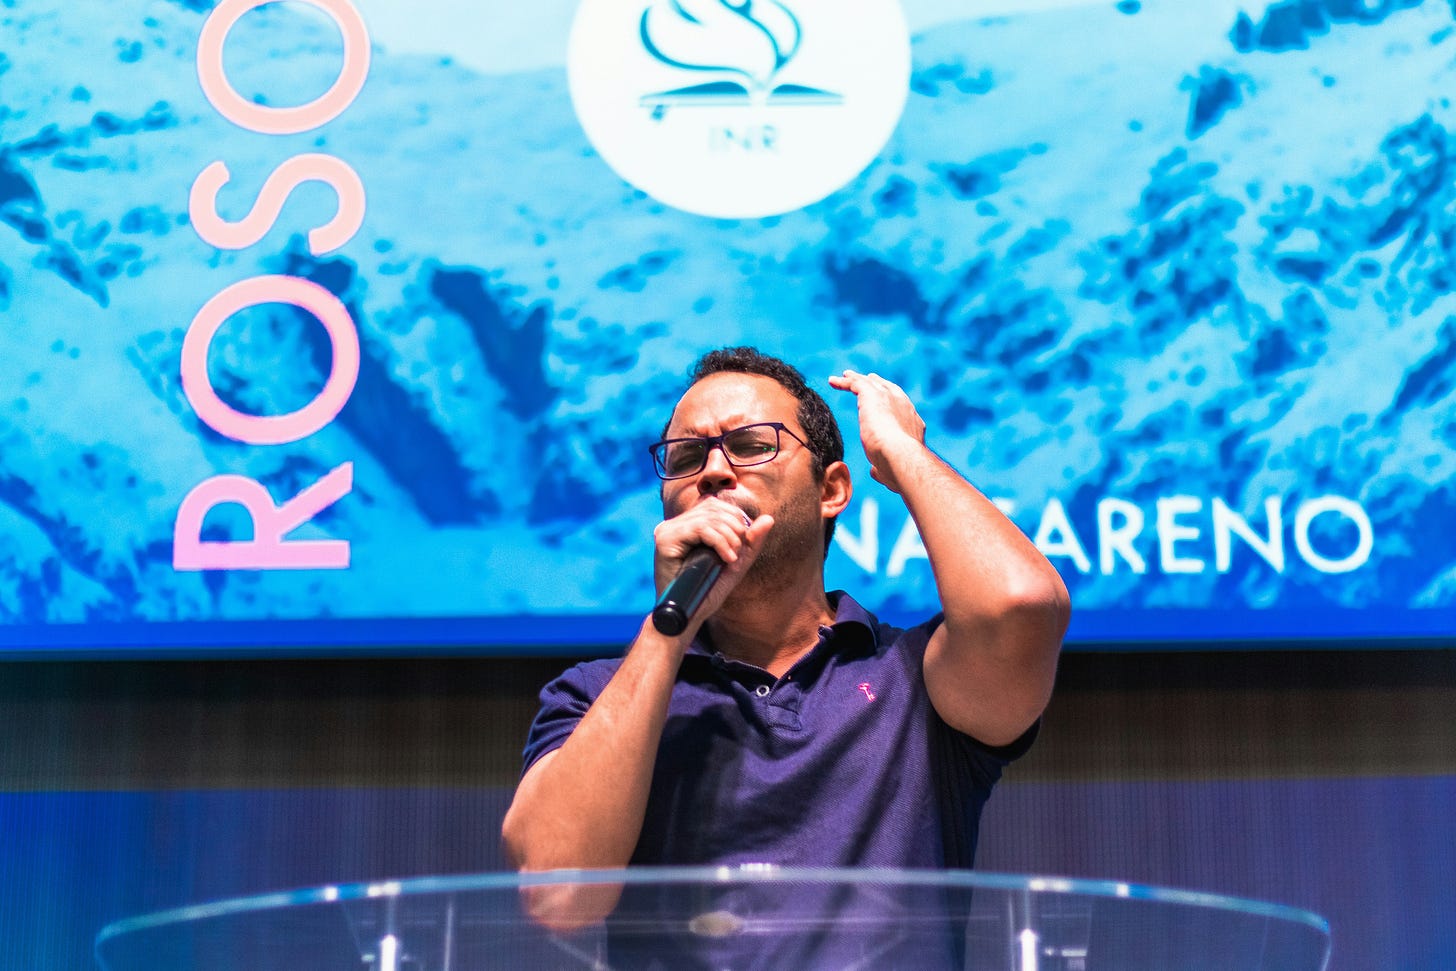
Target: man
{"points": [[787, 725]]}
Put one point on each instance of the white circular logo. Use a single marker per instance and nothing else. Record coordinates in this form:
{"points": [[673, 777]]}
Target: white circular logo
{"points": [[739, 109]]}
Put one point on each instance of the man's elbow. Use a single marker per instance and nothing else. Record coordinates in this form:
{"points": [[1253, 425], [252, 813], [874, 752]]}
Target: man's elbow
{"points": [[512, 840], [561, 908], [1037, 599], [564, 907], [1029, 616], [1052, 605]]}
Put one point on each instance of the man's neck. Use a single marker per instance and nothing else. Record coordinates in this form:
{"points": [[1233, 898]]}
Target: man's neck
{"points": [[772, 628]]}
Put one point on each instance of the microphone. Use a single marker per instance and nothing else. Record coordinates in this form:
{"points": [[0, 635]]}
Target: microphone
{"points": [[685, 593]]}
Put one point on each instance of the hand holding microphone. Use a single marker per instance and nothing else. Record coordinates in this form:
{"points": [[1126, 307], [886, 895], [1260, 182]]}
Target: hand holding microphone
{"points": [[718, 534]]}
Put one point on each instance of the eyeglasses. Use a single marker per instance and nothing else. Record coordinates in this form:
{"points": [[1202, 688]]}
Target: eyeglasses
{"points": [[678, 458]]}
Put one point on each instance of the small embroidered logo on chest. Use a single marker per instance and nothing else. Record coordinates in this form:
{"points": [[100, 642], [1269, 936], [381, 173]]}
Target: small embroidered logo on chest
{"points": [[867, 690]]}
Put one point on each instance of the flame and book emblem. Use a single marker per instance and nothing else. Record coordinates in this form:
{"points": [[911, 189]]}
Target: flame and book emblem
{"points": [[740, 48], [738, 109]]}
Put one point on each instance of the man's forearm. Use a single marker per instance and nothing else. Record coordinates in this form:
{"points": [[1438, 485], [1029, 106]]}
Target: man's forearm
{"points": [[582, 806], [986, 569]]}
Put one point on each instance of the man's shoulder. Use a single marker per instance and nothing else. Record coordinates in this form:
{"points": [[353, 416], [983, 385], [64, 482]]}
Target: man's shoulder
{"points": [[885, 635]]}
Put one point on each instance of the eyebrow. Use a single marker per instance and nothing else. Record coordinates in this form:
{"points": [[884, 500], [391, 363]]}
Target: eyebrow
{"points": [[726, 426]]}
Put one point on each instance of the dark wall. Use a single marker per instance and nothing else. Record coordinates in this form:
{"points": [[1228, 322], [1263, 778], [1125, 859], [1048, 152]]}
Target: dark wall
{"points": [[460, 721], [1322, 779]]}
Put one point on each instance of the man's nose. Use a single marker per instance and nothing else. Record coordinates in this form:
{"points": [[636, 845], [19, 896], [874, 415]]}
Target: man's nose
{"points": [[718, 473]]}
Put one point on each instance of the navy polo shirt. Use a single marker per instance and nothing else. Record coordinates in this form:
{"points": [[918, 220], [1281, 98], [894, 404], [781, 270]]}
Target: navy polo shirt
{"points": [[843, 761]]}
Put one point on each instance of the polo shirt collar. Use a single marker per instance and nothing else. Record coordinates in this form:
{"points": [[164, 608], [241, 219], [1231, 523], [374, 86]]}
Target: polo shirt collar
{"points": [[847, 614]]}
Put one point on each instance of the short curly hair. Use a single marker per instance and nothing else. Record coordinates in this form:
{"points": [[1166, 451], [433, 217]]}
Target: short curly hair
{"points": [[821, 430]]}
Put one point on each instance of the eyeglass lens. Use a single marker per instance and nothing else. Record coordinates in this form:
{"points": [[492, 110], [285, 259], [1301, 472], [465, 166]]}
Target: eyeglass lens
{"points": [[752, 445]]}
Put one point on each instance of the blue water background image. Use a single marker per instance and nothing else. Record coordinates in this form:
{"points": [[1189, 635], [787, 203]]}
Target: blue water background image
{"points": [[1208, 255]]}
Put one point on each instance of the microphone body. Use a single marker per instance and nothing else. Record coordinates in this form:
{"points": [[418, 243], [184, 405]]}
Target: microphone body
{"points": [[685, 593]]}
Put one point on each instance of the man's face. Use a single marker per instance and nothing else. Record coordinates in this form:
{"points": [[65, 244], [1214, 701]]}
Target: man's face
{"points": [[785, 488]]}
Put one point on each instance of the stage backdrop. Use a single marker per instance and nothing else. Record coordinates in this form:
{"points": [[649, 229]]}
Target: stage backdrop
{"points": [[344, 324]]}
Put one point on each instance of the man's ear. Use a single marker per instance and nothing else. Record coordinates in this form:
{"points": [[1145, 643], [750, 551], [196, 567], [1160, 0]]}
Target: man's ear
{"points": [[836, 491]]}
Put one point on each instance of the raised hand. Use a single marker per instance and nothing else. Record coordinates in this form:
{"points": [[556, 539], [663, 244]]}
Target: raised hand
{"points": [[889, 425]]}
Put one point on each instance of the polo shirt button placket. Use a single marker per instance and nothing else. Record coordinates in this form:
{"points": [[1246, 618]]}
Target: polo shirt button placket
{"points": [[762, 690]]}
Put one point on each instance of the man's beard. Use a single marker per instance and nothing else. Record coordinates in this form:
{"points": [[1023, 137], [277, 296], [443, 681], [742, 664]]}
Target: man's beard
{"points": [[797, 530]]}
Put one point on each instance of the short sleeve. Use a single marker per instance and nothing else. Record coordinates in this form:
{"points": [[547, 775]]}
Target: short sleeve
{"points": [[563, 703]]}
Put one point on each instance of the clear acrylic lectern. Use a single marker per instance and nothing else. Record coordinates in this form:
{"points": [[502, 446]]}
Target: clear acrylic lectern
{"points": [[724, 919]]}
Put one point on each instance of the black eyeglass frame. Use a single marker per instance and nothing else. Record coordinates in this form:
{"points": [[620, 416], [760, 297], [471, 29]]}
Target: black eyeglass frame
{"points": [[658, 450]]}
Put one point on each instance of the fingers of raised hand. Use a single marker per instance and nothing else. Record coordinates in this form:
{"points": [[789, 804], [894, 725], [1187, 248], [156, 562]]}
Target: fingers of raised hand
{"points": [[861, 384]]}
